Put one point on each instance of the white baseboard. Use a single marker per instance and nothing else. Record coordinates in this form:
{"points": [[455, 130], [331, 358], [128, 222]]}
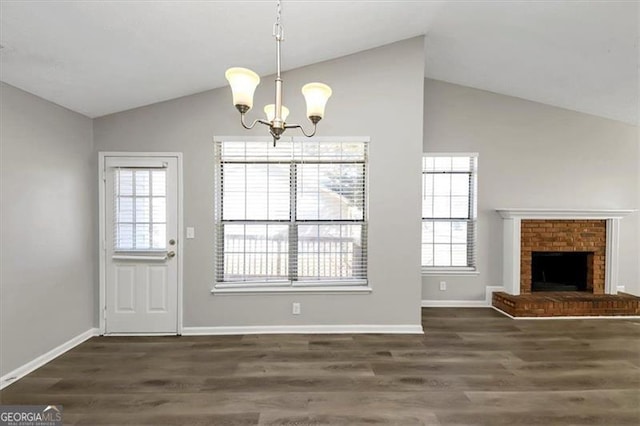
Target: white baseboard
{"points": [[30, 366], [304, 329], [486, 303], [620, 289], [488, 293], [139, 334], [454, 304]]}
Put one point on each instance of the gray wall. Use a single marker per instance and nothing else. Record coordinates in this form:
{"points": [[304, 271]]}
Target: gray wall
{"points": [[377, 93], [48, 214], [532, 155]]}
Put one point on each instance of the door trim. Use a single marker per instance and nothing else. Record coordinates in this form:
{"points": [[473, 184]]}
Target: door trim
{"points": [[102, 271]]}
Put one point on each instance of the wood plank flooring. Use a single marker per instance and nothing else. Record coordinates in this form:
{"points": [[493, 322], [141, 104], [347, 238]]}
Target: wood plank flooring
{"points": [[472, 367]]}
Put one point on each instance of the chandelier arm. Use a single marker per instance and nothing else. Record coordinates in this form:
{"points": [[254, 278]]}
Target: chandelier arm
{"points": [[249, 127], [298, 126]]}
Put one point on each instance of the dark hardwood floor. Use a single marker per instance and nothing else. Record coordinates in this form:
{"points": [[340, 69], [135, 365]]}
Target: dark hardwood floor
{"points": [[472, 367]]}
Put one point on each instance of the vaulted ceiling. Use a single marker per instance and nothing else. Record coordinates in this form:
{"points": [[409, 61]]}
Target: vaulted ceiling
{"points": [[100, 57]]}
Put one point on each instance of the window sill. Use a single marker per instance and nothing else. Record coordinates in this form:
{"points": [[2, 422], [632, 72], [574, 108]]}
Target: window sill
{"points": [[299, 288], [450, 271]]}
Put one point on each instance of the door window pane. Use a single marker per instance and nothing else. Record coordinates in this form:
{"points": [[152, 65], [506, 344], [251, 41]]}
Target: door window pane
{"points": [[143, 236], [143, 214], [124, 236], [159, 235], [140, 209], [125, 209], [142, 182], [159, 183], [159, 211], [125, 182]]}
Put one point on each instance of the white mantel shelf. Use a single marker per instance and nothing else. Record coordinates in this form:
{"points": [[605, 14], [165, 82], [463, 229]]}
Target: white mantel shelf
{"points": [[512, 220], [574, 214]]}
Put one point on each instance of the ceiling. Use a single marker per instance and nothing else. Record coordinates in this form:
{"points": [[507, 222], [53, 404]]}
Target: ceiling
{"points": [[100, 57]]}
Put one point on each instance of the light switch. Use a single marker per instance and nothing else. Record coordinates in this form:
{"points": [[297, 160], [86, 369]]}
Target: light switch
{"points": [[191, 232]]}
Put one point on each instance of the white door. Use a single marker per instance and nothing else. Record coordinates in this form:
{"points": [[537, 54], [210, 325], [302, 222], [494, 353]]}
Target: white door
{"points": [[141, 230]]}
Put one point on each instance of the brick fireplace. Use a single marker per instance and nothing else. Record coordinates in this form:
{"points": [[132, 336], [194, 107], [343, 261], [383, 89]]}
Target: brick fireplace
{"points": [[537, 230], [564, 236], [562, 263]]}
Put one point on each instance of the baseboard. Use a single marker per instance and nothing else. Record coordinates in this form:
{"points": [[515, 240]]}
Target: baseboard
{"points": [[139, 334], [486, 303], [27, 368], [620, 289], [304, 329], [454, 304], [488, 293]]}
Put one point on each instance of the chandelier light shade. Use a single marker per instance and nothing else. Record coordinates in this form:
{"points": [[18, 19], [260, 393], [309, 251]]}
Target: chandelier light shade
{"points": [[316, 95], [270, 111], [243, 84]]}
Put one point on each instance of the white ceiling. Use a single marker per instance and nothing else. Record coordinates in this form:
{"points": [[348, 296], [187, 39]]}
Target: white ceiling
{"points": [[100, 57]]}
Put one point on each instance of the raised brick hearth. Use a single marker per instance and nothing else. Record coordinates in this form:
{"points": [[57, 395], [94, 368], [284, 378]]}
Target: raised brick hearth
{"points": [[557, 304]]}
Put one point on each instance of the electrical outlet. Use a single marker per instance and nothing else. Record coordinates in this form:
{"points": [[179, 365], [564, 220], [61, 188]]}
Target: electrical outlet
{"points": [[295, 308], [443, 285]]}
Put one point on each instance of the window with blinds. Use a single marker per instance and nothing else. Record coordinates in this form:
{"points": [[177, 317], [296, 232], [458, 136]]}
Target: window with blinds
{"points": [[449, 186], [140, 217], [294, 214]]}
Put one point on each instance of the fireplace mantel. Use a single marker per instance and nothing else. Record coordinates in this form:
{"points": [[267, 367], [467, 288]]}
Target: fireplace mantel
{"points": [[569, 214], [512, 219]]}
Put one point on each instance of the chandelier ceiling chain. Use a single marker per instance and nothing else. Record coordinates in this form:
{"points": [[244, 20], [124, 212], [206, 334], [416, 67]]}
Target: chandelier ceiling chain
{"points": [[278, 30], [244, 82]]}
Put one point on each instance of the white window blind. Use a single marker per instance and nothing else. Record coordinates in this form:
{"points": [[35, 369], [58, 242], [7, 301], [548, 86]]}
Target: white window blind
{"points": [[449, 211], [140, 216], [293, 214]]}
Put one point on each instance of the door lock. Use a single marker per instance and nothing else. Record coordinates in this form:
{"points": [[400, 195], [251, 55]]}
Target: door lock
{"points": [[171, 254], [172, 242]]}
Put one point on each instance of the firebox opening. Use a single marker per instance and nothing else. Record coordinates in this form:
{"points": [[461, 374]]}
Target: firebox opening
{"points": [[560, 271]]}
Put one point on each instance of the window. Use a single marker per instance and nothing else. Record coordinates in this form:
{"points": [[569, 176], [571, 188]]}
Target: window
{"points": [[140, 203], [291, 215], [449, 212]]}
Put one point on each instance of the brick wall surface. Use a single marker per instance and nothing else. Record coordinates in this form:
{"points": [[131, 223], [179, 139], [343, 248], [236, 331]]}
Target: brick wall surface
{"points": [[564, 236]]}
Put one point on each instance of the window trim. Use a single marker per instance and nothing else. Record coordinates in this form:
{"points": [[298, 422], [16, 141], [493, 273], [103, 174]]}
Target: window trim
{"points": [[457, 270], [327, 289], [449, 270], [287, 286]]}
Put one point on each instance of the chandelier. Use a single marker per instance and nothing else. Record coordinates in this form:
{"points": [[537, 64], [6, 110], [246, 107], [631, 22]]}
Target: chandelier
{"points": [[243, 83]]}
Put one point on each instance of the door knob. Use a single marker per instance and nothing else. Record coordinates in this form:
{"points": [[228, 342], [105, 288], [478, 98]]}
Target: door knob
{"points": [[171, 254]]}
